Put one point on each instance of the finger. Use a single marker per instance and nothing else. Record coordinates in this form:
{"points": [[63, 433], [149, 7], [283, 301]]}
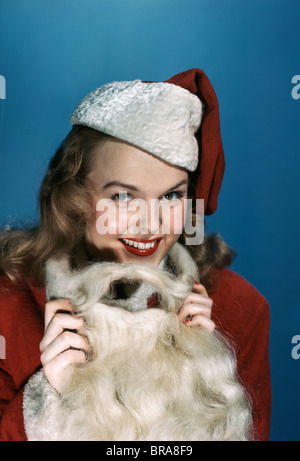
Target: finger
{"points": [[57, 325], [200, 320], [63, 342], [199, 288], [190, 310], [58, 305], [198, 299], [54, 370]]}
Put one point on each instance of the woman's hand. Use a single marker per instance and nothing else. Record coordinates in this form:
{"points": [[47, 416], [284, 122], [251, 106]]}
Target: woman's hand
{"points": [[61, 345], [196, 308]]}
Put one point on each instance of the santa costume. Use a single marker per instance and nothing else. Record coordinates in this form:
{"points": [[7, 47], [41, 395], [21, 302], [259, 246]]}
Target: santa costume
{"points": [[145, 114]]}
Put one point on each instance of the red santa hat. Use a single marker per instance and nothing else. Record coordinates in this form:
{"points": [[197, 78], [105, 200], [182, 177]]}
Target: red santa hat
{"points": [[164, 118], [211, 154]]}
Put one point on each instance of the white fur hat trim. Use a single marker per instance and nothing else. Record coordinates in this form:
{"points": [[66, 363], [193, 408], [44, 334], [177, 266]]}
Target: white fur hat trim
{"points": [[160, 117]]}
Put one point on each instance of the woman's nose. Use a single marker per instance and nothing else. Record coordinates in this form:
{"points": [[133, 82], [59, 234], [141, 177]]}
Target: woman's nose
{"points": [[147, 218]]}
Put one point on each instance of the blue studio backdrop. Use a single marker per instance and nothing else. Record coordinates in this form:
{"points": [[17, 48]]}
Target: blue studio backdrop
{"points": [[53, 52]]}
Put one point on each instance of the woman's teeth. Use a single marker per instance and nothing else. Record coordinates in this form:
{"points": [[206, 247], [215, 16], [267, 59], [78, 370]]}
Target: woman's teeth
{"points": [[140, 245]]}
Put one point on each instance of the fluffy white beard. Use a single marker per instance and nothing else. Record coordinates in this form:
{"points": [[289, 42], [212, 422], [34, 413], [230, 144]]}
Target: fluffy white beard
{"points": [[150, 377]]}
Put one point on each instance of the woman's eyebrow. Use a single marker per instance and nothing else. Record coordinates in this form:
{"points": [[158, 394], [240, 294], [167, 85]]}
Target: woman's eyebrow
{"points": [[181, 183], [131, 187], [120, 184]]}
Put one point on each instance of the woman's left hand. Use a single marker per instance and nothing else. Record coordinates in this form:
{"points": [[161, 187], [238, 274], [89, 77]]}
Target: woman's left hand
{"points": [[196, 308]]}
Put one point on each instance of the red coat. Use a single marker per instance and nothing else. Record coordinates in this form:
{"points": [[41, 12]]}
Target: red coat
{"points": [[239, 311]]}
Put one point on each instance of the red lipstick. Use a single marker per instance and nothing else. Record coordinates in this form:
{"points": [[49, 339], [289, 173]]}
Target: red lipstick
{"points": [[139, 251]]}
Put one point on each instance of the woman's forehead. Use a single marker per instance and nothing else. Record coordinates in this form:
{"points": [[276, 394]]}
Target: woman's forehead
{"points": [[123, 162]]}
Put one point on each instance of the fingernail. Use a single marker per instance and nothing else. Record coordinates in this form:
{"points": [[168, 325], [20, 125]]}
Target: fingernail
{"points": [[187, 320]]}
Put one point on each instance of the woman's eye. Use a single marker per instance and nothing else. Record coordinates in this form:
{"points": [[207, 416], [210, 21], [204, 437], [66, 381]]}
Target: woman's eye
{"points": [[122, 197], [170, 196]]}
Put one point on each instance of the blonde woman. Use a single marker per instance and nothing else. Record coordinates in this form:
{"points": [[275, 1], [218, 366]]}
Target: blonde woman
{"points": [[124, 187]]}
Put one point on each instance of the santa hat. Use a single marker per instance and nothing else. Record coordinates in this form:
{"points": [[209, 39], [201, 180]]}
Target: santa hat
{"points": [[210, 170], [164, 118]]}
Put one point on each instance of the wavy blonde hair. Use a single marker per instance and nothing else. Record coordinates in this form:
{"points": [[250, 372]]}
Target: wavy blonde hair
{"points": [[64, 208]]}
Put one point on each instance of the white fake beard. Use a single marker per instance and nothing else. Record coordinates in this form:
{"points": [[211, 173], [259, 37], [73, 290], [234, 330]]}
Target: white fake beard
{"points": [[150, 377]]}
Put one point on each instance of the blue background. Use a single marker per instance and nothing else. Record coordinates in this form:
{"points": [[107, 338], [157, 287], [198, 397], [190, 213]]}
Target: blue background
{"points": [[53, 52]]}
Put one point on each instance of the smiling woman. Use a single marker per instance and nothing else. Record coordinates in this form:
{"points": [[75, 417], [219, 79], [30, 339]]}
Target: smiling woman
{"points": [[70, 207], [149, 180], [146, 146]]}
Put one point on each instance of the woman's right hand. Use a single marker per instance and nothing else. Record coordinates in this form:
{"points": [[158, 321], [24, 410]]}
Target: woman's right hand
{"points": [[61, 347]]}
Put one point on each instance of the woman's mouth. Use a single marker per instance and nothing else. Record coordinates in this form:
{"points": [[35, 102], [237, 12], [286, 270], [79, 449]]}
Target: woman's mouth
{"points": [[140, 247]]}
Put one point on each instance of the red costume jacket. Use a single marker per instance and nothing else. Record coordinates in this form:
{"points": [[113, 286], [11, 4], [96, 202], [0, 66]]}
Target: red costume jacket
{"points": [[239, 311]]}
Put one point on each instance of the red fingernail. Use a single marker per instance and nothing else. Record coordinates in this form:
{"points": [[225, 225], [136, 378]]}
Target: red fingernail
{"points": [[188, 319]]}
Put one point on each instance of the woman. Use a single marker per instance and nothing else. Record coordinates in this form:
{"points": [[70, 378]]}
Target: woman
{"points": [[132, 143]]}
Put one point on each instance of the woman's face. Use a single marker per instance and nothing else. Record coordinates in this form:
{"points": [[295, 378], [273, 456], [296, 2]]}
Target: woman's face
{"points": [[138, 202]]}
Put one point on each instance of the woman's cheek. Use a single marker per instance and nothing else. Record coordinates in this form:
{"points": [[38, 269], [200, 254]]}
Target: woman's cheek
{"points": [[106, 222], [173, 219], [110, 219], [122, 221]]}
